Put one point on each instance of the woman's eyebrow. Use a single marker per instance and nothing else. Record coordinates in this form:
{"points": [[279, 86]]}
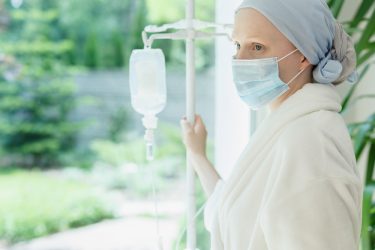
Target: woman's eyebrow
{"points": [[252, 40]]}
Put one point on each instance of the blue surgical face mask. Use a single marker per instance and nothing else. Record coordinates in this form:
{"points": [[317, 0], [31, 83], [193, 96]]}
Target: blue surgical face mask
{"points": [[257, 80]]}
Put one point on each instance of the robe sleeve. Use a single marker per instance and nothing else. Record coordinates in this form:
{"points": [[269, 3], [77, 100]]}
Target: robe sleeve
{"points": [[323, 215], [211, 205]]}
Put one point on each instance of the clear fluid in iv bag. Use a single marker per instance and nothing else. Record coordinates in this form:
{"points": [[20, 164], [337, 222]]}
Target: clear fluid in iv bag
{"points": [[147, 81], [148, 104]]}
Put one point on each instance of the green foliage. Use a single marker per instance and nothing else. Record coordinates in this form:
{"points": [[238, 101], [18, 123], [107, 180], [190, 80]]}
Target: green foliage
{"points": [[35, 108], [115, 154], [114, 158], [34, 112], [91, 53], [362, 134], [137, 25], [169, 161], [117, 52], [34, 204], [106, 30], [24, 49], [112, 29], [168, 144], [166, 11], [118, 124], [56, 28], [362, 28], [33, 33], [36, 102]]}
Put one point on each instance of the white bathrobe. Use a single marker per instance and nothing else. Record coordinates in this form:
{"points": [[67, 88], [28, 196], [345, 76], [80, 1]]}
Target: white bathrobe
{"points": [[295, 186]]}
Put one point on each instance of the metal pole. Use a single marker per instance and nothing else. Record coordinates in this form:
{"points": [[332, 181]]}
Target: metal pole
{"points": [[190, 115]]}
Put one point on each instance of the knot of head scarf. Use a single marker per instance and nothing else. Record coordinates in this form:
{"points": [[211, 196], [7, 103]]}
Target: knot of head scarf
{"points": [[311, 27], [340, 63]]}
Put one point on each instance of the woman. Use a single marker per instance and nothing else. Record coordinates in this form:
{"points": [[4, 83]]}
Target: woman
{"points": [[295, 186]]}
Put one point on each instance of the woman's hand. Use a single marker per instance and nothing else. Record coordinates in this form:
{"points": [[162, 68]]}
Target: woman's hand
{"points": [[194, 136]]}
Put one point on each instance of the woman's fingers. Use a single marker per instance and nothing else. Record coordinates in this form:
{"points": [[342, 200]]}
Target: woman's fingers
{"points": [[198, 125], [194, 135], [186, 126], [196, 117]]}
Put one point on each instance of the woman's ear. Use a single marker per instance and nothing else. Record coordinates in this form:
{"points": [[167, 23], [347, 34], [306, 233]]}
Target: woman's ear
{"points": [[304, 62]]}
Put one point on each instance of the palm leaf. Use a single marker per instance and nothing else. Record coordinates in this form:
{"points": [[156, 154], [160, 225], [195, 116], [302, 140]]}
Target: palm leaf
{"points": [[352, 89], [361, 13], [370, 163], [363, 134], [336, 7]]}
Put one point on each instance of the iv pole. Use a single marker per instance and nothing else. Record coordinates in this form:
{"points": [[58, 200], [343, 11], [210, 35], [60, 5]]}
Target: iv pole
{"points": [[188, 30], [190, 115]]}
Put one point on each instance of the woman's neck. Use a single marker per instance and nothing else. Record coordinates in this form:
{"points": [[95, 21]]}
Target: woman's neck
{"points": [[293, 87]]}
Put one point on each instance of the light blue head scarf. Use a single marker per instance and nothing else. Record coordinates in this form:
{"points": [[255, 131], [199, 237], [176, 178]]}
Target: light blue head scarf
{"points": [[311, 27]]}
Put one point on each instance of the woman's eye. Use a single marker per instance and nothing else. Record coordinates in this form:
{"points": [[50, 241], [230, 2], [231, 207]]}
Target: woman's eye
{"points": [[237, 45], [258, 47]]}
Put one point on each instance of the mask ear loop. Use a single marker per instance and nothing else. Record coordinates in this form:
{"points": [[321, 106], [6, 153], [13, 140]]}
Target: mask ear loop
{"points": [[291, 80], [287, 55]]}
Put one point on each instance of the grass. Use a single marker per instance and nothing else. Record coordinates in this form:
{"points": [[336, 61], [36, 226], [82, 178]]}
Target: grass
{"points": [[33, 204]]}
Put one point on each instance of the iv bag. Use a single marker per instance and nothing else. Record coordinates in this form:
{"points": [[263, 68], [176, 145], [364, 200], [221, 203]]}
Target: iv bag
{"points": [[147, 81]]}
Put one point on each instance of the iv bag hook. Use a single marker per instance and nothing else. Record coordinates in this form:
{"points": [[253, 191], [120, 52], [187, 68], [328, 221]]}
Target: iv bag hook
{"points": [[184, 32]]}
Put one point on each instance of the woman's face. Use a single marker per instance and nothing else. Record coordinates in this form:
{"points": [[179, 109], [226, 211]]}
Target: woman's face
{"points": [[256, 37]]}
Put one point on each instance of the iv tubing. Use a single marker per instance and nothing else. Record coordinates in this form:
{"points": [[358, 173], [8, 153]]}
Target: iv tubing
{"points": [[159, 238]]}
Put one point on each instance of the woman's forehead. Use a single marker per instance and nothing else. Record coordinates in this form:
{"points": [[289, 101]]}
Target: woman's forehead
{"points": [[249, 24]]}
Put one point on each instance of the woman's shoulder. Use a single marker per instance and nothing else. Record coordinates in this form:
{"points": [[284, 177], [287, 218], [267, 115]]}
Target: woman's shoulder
{"points": [[322, 135], [315, 126]]}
